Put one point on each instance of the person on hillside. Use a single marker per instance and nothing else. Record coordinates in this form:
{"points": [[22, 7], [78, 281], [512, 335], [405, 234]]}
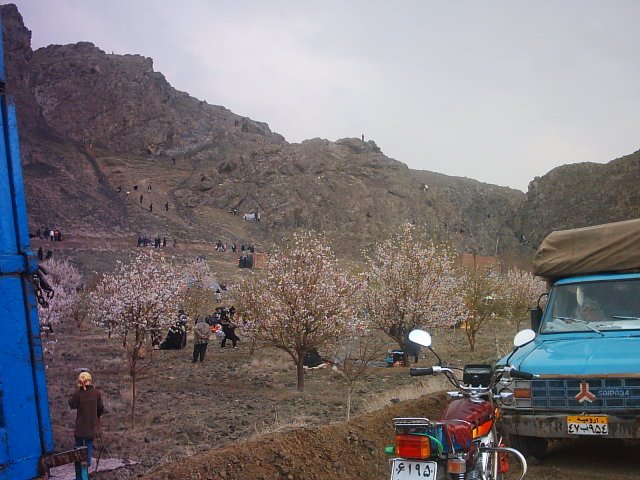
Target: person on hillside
{"points": [[201, 334], [87, 400], [218, 296], [40, 254], [166, 206], [229, 330]]}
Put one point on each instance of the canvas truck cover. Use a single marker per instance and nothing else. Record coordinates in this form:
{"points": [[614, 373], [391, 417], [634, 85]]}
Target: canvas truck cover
{"points": [[601, 248]]}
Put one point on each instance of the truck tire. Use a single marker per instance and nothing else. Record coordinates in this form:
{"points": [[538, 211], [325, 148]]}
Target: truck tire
{"points": [[533, 448]]}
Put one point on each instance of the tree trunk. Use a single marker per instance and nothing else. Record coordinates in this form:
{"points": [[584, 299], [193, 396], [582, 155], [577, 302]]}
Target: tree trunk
{"points": [[254, 344], [471, 335], [405, 358], [349, 390], [300, 369], [133, 397]]}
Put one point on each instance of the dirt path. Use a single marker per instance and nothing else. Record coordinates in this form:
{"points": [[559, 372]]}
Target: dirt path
{"points": [[589, 458]]}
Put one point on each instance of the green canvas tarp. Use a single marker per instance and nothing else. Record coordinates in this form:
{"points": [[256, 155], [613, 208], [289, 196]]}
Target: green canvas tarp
{"points": [[612, 247]]}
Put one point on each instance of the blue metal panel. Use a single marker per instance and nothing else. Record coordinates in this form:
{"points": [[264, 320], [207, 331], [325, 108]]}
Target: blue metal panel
{"points": [[25, 426]]}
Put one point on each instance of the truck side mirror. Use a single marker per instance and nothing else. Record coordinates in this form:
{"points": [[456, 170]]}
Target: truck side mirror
{"points": [[536, 318]]}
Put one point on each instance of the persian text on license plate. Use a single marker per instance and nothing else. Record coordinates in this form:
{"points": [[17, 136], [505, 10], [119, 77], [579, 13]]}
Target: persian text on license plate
{"points": [[587, 425], [413, 470]]}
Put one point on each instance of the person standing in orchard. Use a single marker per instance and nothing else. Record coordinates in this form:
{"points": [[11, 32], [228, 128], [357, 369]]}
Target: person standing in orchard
{"points": [[201, 334], [87, 400]]}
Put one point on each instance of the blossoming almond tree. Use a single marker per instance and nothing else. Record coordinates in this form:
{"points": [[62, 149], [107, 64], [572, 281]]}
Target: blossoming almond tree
{"points": [[64, 278], [411, 285], [521, 291], [301, 301], [354, 357], [197, 295], [482, 294], [135, 301]]}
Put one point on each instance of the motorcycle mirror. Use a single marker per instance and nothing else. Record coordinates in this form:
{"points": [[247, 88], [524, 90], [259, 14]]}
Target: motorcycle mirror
{"points": [[523, 337], [420, 337]]}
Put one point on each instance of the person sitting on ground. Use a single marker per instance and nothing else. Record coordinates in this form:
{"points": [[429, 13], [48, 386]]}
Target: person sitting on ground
{"points": [[312, 359], [177, 335]]}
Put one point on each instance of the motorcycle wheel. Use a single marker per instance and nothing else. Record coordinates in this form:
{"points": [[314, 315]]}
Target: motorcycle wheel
{"points": [[533, 448]]}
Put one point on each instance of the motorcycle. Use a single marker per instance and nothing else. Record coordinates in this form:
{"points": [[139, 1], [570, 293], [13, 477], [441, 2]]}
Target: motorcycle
{"points": [[463, 444]]}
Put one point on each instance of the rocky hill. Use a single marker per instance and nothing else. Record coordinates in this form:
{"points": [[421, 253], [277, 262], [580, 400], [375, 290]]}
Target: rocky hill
{"points": [[580, 195], [109, 147]]}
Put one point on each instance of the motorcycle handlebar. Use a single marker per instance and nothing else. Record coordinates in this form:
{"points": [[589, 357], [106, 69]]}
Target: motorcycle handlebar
{"points": [[418, 372], [522, 375]]}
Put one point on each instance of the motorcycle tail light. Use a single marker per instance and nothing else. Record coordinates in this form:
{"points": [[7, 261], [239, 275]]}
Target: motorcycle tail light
{"points": [[413, 446], [483, 429], [456, 465]]}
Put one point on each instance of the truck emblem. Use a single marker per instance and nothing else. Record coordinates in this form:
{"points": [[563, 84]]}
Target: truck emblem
{"points": [[584, 394]]}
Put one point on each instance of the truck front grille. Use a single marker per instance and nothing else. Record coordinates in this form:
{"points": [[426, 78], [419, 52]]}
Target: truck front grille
{"points": [[610, 394]]}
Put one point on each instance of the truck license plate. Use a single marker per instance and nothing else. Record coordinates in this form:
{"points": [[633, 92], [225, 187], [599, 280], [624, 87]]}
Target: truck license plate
{"points": [[413, 470], [587, 425]]}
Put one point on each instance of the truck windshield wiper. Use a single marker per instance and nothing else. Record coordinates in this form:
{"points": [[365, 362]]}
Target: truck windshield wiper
{"points": [[622, 317], [580, 321]]}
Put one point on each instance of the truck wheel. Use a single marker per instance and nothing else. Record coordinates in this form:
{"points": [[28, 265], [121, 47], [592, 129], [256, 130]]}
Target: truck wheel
{"points": [[533, 448]]}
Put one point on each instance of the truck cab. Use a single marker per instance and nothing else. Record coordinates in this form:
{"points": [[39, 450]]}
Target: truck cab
{"points": [[586, 354]]}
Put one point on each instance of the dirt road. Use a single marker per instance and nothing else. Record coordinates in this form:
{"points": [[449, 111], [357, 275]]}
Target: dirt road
{"points": [[589, 458]]}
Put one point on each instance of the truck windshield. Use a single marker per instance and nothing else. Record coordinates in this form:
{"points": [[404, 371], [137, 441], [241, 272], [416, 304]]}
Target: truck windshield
{"points": [[594, 306]]}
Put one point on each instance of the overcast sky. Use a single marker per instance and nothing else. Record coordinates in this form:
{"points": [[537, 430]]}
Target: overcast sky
{"points": [[499, 91]]}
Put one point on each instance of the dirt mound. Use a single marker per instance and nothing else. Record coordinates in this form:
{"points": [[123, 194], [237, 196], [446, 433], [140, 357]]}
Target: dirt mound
{"points": [[345, 450]]}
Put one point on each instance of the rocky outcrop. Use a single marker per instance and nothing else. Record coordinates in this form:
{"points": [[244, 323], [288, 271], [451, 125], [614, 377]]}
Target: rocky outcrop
{"points": [[120, 103], [579, 195]]}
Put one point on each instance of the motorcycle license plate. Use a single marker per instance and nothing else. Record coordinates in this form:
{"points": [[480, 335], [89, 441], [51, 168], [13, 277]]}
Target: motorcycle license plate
{"points": [[587, 425], [413, 470]]}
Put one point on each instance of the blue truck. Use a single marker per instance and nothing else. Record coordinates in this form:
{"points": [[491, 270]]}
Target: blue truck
{"points": [[26, 438], [586, 352]]}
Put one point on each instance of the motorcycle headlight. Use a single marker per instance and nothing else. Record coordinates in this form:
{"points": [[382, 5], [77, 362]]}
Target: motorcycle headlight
{"points": [[506, 396], [505, 381]]}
